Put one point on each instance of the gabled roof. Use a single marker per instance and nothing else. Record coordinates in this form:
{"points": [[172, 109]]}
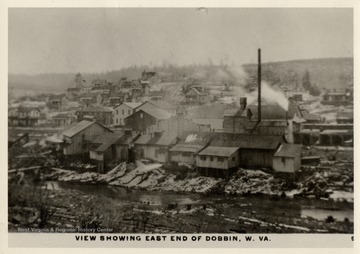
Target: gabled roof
{"points": [[106, 140], [312, 117], [107, 137], [161, 104], [132, 105], [288, 150], [26, 109], [157, 113], [251, 141], [95, 109], [219, 151], [143, 139], [214, 111], [192, 142], [60, 116], [187, 148], [80, 127], [196, 138], [163, 140]]}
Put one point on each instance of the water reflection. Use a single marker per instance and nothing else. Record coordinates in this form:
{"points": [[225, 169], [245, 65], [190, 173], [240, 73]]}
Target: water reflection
{"points": [[158, 198]]}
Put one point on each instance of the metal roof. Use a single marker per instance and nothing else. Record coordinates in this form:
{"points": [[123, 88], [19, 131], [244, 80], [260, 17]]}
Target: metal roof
{"points": [[163, 140], [107, 137], [132, 105], [215, 111], [219, 151], [157, 113], [334, 132], [95, 109], [78, 128], [288, 150], [142, 140], [186, 148], [251, 141]]}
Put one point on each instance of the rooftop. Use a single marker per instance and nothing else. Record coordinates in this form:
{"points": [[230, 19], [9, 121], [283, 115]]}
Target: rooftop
{"points": [[219, 151], [78, 128], [288, 150], [95, 109], [157, 113]]}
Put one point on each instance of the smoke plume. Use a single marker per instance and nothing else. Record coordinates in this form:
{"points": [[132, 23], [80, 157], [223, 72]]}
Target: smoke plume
{"points": [[268, 93]]}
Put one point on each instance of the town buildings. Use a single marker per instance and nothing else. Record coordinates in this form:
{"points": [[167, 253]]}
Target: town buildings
{"points": [[78, 139], [122, 111], [102, 115]]}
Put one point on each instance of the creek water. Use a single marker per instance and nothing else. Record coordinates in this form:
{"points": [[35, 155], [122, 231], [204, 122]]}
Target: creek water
{"points": [[304, 208]]}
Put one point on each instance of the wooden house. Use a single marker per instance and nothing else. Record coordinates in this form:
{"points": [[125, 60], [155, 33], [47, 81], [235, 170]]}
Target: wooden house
{"points": [[62, 119], [189, 145], [230, 150], [122, 111], [23, 116], [109, 147], [336, 138], [287, 158], [102, 115], [79, 138], [155, 147], [159, 104], [142, 119], [211, 115], [197, 95]]}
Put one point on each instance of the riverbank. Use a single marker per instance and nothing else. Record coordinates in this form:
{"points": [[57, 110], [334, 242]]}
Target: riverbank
{"points": [[326, 183], [71, 205]]}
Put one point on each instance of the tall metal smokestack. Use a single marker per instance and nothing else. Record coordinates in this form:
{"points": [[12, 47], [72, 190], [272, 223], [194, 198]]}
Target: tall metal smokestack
{"points": [[259, 85]]}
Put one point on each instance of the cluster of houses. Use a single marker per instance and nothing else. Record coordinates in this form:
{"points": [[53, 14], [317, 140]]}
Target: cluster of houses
{"points": [[108, 102], [215, 152], [128, 120]]}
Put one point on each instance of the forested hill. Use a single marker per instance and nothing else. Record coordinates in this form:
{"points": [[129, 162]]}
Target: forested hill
{"points": [[325, 73]]}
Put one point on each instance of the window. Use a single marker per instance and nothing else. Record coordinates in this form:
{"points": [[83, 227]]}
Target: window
{"points": [[283, 160], [123, 112], [211, 158], [129, 112], [220, 159], [202, 157], [117, 120], [233, 158]]}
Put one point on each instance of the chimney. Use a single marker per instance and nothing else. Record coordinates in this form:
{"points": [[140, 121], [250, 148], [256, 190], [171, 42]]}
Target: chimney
{"points": [[243, 102], [259, 85]]}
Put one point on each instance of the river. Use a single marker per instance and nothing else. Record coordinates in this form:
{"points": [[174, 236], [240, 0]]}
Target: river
{"points": [[317, 209]]}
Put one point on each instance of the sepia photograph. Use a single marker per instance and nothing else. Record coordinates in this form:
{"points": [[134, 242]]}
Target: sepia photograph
{"points": [[201, 120]]}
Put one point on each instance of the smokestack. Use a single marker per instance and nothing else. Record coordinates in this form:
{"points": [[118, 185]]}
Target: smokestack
{"points": [[243, 102], [259, 85]]}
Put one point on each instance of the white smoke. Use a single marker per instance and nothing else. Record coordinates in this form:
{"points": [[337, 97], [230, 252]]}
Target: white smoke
{"points": [[269, 95], [237, 76]]}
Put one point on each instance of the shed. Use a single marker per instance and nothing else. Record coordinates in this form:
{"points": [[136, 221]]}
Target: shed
{"points": [[287, 158]]}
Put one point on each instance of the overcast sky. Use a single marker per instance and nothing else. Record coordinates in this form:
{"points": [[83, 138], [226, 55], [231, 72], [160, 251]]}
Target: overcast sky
{"points": [[96, 40]]}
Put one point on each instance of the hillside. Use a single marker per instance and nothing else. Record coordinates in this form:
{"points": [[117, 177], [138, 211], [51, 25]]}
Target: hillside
{"points": [[325, 73]]}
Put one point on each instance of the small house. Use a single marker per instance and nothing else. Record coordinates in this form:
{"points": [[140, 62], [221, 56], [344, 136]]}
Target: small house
{"points": [[122, 111], [287, 158], [79, 138], [189, 145], [142, 119], [102, 115]]}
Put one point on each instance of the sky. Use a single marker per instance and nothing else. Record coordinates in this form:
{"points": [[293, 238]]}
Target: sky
{"points": [[60, 40]]}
